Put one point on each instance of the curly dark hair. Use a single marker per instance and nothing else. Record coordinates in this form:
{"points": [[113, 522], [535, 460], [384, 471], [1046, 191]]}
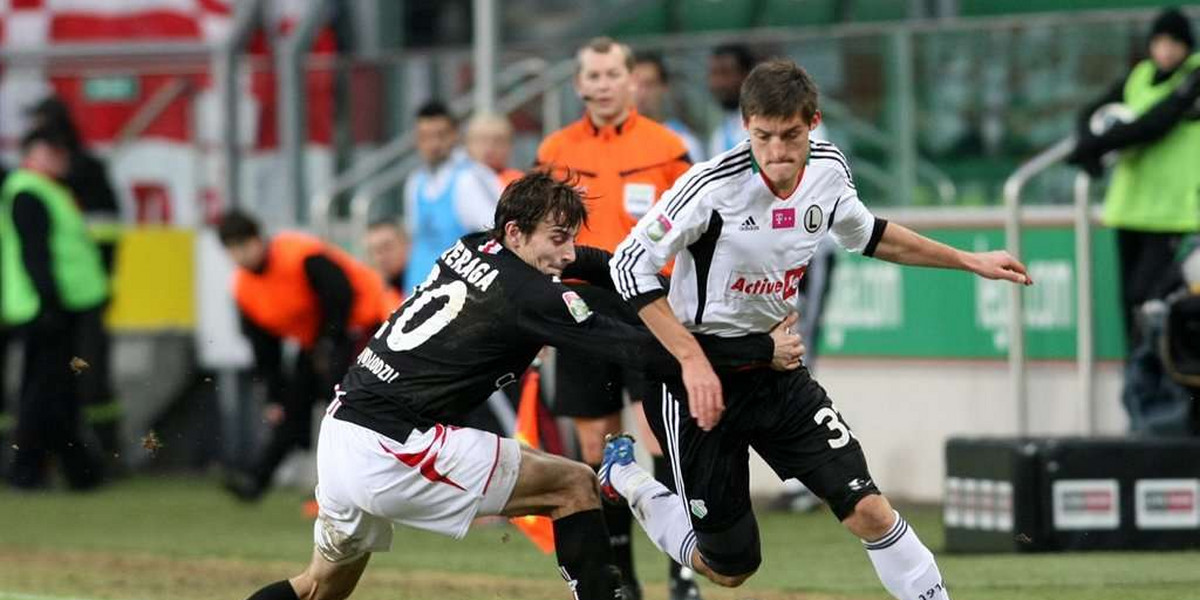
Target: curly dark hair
{"points": [[530, 199]]}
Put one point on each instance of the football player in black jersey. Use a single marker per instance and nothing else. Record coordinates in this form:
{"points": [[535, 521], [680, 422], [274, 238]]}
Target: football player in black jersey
{"points": [[389, 450]]}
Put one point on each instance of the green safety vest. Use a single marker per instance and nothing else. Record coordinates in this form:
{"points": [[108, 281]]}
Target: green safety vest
{"points": [[1156, 186], [75, 260]]}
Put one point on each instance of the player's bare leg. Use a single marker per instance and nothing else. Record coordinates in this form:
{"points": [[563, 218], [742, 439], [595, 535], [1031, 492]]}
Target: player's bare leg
{"points": [[904, 565], [322, 580], [568, 493], [591, 433]]}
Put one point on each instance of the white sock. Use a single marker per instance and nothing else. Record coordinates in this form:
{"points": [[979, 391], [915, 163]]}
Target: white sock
{"points": [[660, 512], [905, 566]]}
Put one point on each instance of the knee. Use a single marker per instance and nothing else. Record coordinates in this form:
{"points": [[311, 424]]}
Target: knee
{"points": [[591, 435], [728, 558], [580, 490], [591, 447], [310, 587], [305, 586], [729, 581], [872, 518]]}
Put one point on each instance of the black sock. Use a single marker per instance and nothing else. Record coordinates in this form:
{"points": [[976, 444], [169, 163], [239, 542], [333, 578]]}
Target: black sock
{"points": [[619, 520], [620, 531], [663, 472], [584, 556], [280, 590]]}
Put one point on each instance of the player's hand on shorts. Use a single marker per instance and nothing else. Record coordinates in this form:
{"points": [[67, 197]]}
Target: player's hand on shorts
{"points": [[704, 392], [789, 347], [999, 264]]}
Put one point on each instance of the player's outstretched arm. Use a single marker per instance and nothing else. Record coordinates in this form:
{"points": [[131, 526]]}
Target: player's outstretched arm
{"points": [[902, 245]]}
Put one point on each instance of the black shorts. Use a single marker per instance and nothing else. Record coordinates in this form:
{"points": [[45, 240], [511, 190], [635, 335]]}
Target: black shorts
{"points": [[590, 388], [790, 422]]}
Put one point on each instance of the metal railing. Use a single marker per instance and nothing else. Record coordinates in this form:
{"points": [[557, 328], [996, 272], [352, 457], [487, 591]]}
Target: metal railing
{"points": [[863, 131], [903, 164], [546, 84], [374, 178], [1084, 326], [386, 167]]}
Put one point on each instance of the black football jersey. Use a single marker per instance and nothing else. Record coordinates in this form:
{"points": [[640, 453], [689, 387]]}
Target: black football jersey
{"points": [[475, 325]]}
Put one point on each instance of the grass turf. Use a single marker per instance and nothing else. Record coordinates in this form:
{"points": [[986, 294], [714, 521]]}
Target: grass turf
{"points": [[183, 538]]}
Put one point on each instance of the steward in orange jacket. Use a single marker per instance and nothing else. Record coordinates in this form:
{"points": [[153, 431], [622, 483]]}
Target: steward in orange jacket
{"points": [[298, 288]]}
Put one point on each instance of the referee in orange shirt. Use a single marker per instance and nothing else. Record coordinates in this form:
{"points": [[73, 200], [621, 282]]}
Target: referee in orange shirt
{"points": [[625, 162]]}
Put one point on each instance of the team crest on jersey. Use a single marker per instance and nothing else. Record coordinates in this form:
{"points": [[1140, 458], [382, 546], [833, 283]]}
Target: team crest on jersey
{"points": [[658, 228], [490, 247], [783, 218], [576, 306], [813, 218], [698, 508]]}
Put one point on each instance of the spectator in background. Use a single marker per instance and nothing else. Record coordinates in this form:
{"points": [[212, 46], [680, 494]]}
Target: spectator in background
{"points": [[449, 196], [652, 92], [1153, 199], [53, 277], [625, 162], [296, 288], [87, 177], [490, 143], [5, 336], [728, 67], [387, 249]]}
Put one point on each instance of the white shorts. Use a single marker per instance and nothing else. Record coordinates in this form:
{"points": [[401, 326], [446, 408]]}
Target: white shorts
{"points": [[438, 480]]}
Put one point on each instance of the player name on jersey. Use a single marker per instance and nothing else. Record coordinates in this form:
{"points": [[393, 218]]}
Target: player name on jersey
{"points": [[470, 266], [378, 367]]}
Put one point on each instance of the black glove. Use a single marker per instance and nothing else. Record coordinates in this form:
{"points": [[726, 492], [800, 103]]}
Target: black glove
{"points": [[1086, 155], [331, 358]]}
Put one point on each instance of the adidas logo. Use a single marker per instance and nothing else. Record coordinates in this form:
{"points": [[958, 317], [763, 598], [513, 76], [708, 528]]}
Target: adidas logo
{"points": [[749, 225]]}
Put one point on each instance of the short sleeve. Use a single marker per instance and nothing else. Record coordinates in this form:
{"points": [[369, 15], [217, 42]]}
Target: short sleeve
{"points": [[852, 224]]}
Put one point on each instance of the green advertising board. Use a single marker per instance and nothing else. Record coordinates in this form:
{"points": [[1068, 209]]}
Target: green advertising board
{"points": [[878, 308]]}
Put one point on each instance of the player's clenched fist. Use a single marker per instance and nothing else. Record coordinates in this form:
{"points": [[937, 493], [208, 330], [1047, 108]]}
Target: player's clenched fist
{"points": [[789, 347]]}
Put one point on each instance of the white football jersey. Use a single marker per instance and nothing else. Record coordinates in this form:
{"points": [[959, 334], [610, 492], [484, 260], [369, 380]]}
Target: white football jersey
{"points": [[740, 250]]}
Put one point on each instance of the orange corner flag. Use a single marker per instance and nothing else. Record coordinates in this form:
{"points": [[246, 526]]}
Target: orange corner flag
{"points": [[539, 530]]}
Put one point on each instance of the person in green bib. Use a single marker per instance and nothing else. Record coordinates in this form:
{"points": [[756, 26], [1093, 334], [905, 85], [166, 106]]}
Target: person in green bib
{"points": [[1153, 199], [88, 179], [52, 278]]}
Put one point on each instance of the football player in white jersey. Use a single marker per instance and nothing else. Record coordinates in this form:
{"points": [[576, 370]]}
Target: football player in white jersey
{"points": [[742, 228]]}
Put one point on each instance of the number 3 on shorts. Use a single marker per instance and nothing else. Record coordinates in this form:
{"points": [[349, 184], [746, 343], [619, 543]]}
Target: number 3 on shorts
{"points": [[829, 418]]}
